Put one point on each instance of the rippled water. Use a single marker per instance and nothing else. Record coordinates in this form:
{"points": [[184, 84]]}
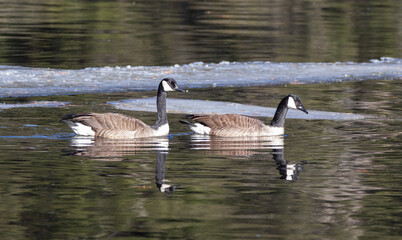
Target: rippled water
{"points": [[337, 179], [336, 173]]}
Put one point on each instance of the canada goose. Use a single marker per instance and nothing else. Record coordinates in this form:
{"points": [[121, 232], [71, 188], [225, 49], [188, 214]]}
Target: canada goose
{"points": [[119, 126], [235, 125]]}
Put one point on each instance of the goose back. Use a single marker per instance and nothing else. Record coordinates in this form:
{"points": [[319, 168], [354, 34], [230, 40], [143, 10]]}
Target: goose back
{"points": [[230, 125], [112, 125]]}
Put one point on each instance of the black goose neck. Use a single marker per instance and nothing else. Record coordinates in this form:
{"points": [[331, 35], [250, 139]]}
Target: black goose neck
{"points": [[161, 108], [160, 168], [280, 114], [278, 156]]}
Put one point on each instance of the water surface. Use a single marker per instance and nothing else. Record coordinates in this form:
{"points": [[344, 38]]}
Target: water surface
{"points": [[335, 179], [79, 34], [327, 178]]}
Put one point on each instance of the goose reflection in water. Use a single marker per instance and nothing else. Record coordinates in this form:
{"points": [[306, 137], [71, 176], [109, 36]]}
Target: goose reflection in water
{"points": [[108, 148], [289, 172], [248, 146], [115, 150], [161, 182], [236, 146]]}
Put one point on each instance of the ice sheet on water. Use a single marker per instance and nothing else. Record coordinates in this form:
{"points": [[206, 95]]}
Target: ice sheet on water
{"points": [[22, 81], [33, 104], [189, 106], [387, 60]]}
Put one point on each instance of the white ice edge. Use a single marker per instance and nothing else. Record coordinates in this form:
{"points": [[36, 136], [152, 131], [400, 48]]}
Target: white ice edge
{"points": [[33, 104], [189, 106], [23, 81]]}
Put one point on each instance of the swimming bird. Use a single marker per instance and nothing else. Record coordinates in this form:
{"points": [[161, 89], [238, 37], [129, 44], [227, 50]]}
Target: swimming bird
{"points": [[236, 125], [120, 126]]}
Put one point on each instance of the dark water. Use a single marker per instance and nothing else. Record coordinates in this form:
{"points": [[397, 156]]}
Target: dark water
{"points": [[326, 179], [345, 182], [78, 34]]}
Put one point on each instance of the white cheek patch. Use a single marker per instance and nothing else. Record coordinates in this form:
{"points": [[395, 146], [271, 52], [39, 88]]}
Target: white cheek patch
{"points": [[291, 103], [165, 187], [167, 87], [290, 171]]}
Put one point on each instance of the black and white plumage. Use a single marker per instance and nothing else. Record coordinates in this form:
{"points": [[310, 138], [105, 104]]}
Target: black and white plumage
{"points": [[236, 125], [120, 126]]}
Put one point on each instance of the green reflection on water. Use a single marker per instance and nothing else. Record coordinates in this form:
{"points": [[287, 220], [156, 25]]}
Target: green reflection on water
{"points": [[77, 34]]}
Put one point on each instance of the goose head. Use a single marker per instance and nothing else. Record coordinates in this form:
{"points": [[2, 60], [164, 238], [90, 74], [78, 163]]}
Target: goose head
{"points": [[169, 85], [295, 102]]}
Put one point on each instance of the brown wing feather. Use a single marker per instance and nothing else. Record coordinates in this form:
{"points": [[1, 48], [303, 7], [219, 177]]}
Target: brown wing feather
{"points": [[227, 120], [114, 125], [230, 124], [110, 121]]}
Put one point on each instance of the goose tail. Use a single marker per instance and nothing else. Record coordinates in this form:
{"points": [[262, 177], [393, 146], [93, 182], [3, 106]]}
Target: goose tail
{"points": [[197, 127], [186, 122], [78, 127]]}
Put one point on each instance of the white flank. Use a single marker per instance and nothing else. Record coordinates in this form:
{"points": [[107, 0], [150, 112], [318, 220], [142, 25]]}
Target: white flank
{"points": [[291, 103], [167, 87], [80, 129], [200, 129], [276, 131], [162, 130]]}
